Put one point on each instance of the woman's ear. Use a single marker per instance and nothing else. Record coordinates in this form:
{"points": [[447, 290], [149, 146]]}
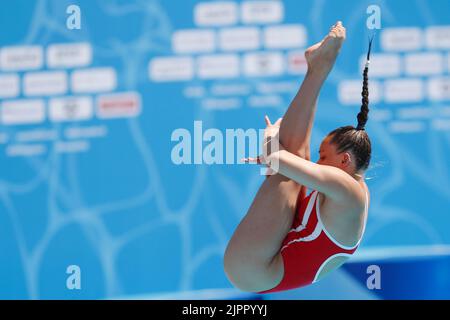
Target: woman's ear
{"points": [[347, 160]]}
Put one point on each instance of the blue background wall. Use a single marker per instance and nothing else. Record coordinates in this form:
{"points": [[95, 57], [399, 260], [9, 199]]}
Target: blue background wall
{"points": [[135, 222]]}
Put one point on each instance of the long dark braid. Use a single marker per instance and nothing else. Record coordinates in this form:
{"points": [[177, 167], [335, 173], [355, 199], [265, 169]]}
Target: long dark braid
{"points": [[356, 140], [363, 114]]}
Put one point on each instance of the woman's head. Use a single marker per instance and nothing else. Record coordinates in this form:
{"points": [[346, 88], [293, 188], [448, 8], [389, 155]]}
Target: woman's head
{"points": [[347, 147]]}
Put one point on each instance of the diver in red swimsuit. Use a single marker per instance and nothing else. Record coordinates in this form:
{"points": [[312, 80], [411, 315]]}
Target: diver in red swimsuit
{"points": [[287, 239]]}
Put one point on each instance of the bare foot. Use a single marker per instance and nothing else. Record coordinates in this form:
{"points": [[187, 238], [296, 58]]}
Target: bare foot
{"points": [[322, 55]]}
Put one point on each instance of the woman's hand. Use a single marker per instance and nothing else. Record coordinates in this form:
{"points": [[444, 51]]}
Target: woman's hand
{"points": [[271, 143]]}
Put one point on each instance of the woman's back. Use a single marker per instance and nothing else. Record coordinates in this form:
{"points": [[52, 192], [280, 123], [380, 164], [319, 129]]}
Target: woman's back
{"points": [[344, 222]]}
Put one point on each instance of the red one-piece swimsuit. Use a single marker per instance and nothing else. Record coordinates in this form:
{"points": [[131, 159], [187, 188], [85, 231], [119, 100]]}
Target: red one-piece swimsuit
{"points": [[308, 246]]}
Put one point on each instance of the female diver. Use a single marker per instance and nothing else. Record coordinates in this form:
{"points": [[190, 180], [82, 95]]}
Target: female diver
{"points": [[287, 239]]}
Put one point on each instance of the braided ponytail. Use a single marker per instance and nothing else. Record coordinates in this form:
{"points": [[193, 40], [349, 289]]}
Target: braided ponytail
{"points": [[349, 138], [363, 114]]}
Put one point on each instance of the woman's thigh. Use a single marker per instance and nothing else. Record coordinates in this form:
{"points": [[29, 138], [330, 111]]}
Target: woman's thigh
{"points": [[252, 255]]}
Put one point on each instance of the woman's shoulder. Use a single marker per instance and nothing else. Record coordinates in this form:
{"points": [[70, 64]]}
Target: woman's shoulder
{"points": [[359, 199]]}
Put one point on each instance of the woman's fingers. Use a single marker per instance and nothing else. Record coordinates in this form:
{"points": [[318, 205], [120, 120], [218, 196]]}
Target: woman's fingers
{"points": [[250, 160], [268, 123], [257, 160]]}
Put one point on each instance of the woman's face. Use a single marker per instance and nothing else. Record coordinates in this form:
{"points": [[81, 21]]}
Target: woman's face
{"points": [[328, 155]]}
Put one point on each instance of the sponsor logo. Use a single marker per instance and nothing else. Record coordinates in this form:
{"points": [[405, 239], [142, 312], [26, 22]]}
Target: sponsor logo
{"points": [[235, 39], [221, 104], [25, 150], [94, 80], [264, 64], [71, 146], [269, 101], [16, 112], [404, 90], [45, 83], [382, 65], [232, 89], [349, 92], [9, 85], [171, 69], [21, 58], [194, 41], [415, 113], [262, 12], [69, 55], [438, 37], [297, 62], [218, 66], [218, 13], [70, 108], [407, 126], [121, 105], [439, 88], [381, 114], [77, 132], [402, 39], [422, 64], [36, 135], [284, 36]]}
